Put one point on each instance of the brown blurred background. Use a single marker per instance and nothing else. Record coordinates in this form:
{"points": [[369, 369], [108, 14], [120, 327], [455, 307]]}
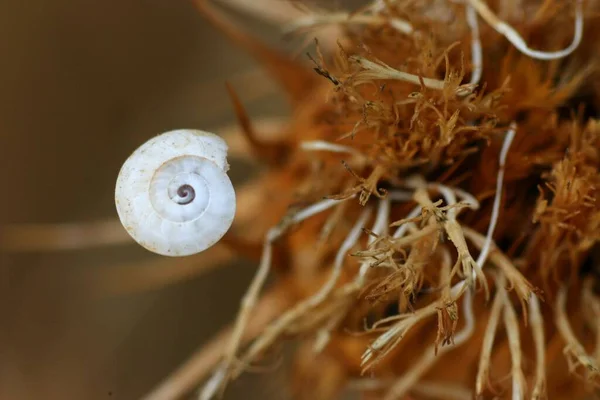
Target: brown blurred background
{"points": [[82, 84]]}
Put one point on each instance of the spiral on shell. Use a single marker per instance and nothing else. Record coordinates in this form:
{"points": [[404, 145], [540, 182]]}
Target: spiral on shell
{"points": [[173, 195]]}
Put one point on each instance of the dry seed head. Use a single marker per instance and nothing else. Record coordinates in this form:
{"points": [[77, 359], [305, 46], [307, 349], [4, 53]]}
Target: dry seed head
{"points": [[401, 103]]}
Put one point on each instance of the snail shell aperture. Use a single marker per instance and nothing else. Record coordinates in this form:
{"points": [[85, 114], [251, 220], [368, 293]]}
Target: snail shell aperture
{"points": [[173, 195]]}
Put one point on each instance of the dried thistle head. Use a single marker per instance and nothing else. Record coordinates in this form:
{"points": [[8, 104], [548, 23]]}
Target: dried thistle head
{"points": [[445, 109]]}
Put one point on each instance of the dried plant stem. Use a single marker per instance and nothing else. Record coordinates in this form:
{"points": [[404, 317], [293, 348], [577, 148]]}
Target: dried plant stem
{"points": [[275, 11], [293, 77], [402, 229], [288, 319], [517, 40], [521, 285], [574, 351], [483, 370], [462, 336], [384, 343], [323, 335], [511, 325], [448, 192], [389, 339], [418, 182], [476, 52], [487, 242], [275, 330], [268, 152], [402, 386], [413, 237], [348, 243], [251, 296], [447, 316], [508, 139], [400, 195], [591, 308], [62, 237], [330, 223], [322, 145], [267, 129], [316, 19], [380, 228], [248, 303], [454, 231], [373, 70], [156, 273], [186, 377], [536, 322]]}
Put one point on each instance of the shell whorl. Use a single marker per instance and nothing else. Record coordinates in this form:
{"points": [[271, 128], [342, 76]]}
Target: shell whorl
{"points": [[173, 194]]}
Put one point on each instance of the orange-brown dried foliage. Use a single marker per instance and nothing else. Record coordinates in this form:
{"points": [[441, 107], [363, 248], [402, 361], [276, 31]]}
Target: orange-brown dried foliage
{"points": [[549, 223]]}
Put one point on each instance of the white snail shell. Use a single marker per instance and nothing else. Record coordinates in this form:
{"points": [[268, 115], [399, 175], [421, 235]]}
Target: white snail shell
{"points": [[173, 194]]}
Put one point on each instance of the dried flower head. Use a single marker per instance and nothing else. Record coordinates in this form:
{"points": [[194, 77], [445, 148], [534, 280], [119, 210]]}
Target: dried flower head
{"points": [[432, 198], [469, 115]]}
